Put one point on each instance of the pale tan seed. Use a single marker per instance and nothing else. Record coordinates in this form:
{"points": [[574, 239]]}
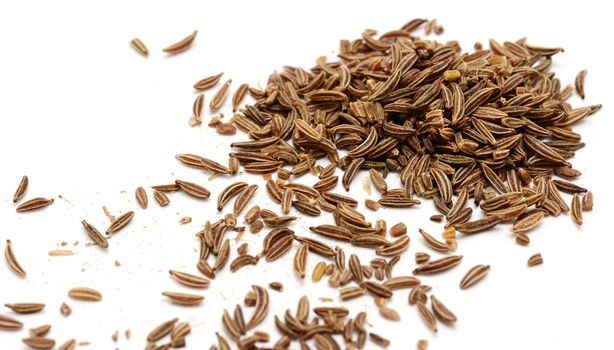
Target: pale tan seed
{"points": [[95, 235], [161, 198], [208, 82], [451, 75], [189, 280], [440, 265], [535, 260], [25, 308], [70, 344], [576, 209], [162, 330], [139, 46], [300, 260], [39, 343], [389, 314], [184, 299], [318, 271], [85, 294], [442, 313], [34, 204], [587, 201], [427, 316], [580, 82], [21, 189], [9, 324], [194, 190], [422, 344], [474, 275], [185, 220], [120, 222], [220, 96], [181, 45], [141, 197], [9, 254]]}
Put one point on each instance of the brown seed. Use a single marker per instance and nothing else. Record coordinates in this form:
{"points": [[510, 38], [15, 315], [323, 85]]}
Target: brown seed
{"points": [[162, 330], [522, 238], [161, 198], [378, 180], [220, 96], [427, 316], [208, 82], [181, 45], [229, 192], [244, 197], [9, 324], [580, 82], [474, 275], [440, 265], [34, 204], [260, 309], [401, 282], [535, 260], [478, 225], [39, 343], [166, 188], [422, 344], [398, 230], [40, 331], [139, 46], [25, 308], [120, 222], [197, 108], [70, 344], [278, 286], [377, 289], [576, 209], [241, 261], [349, 293], [300, 260], [189, 280], [587, 201], [238, 96], [21, 189], [379, 340], [422, 257], [389, 314], [193, 189], [65, 310], [141, 197], [95, 235], [12, 260], [442, 313], [433, 243], [371, 204], [184, 299], [85, 294], [318, 271]]}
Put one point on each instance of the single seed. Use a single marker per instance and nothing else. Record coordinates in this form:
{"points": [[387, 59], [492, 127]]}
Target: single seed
{"points": [[21, 189], [181, 45], [39, 343], [535, 260], [25, 308], [184, 299], [34, 204], [12, 260], [120, 222], [139, 46], [141, 197], [474, 275], [85, 294], [95, 235]]}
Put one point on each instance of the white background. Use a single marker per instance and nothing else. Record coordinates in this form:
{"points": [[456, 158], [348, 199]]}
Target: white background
{"points": [[86, 117]]}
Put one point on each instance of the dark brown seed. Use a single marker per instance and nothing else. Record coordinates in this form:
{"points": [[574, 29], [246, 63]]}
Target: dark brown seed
{"points": [[34, 204], [229, 192], [478, 225], [21, 189], [95, 235], [181, 45], [580, 82], [120, 222], [141, 197], [208, 82], [474, 275]]}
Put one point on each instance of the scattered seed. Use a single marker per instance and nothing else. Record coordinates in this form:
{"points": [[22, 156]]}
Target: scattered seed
{"points": [[21, 189], [139, 46], [181, 45], [34, 204], [85, 294], [535, 260], [12, 260]]}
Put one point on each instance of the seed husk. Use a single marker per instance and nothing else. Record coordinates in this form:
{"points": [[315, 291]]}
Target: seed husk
{"points": [[474, 275], [437, 266], [34, 204], [9, 254], [141, 197], [85, 294], [95, 235], [139, 46], [9, 324], [25, 308], [39, 343], [120, 222], [535, 260], [181, 45], [184, 299], [21, 189]]}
